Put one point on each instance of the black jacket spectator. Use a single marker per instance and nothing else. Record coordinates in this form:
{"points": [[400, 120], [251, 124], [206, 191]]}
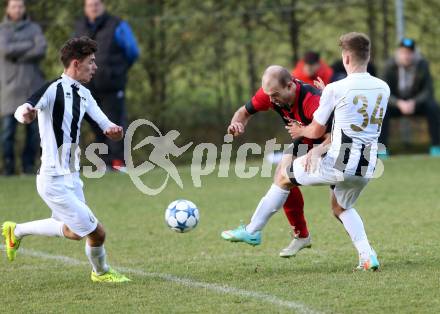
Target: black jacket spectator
{"points": [[421, 90], [117, 51], [110, 58], [412, 91]]}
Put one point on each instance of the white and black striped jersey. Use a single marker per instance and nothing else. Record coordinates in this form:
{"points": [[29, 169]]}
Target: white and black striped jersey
{"points": [[61, 107], [359, 103]]}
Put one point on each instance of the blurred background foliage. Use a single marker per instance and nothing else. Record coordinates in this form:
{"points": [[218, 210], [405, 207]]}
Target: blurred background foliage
{"points": [[201, 60]]}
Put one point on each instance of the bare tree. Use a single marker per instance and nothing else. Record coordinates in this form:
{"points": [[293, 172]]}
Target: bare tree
{"points": [[385, 29], [371, 22], [250, 51]]}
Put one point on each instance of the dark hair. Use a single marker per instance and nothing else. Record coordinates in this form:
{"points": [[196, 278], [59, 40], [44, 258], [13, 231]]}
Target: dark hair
{"points": [[311, 57], [77, 48], [356, 43]]}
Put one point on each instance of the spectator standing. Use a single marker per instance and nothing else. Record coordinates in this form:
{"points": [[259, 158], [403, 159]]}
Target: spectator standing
{"points": [[311, 67], [117, 51], [22, 47], [412, 91]]}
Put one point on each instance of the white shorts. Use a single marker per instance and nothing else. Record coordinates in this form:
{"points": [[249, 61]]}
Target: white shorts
{"points": [[346, 188], [64, 196]]}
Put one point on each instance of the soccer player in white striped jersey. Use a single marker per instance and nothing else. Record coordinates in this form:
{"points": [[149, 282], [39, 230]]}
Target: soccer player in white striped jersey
{"points": [[61, 106], [345, 161]]}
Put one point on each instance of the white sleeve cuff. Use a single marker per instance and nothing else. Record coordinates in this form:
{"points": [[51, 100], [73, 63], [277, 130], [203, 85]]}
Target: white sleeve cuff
{"points": [[20, 112], [320, 120], [105, 124]]}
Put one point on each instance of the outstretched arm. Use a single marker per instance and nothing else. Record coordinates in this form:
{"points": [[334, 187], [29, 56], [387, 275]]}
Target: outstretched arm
{"points": [[39, 100], [321, 117], [312, 131], [115, 133], [239, 121], [111, 130]]}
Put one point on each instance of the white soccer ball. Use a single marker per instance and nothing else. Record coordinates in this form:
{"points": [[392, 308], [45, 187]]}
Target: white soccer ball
{"points": [[182, 216]]}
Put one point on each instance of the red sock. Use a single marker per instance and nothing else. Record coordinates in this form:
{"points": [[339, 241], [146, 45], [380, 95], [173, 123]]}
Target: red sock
{"points": [[294, 210]]}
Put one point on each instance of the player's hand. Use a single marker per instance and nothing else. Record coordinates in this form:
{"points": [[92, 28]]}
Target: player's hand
{"points": [[311, 160], [313, 157], [115, 133], [236, 128], [319, 83], [294, 129], [29, 114]]}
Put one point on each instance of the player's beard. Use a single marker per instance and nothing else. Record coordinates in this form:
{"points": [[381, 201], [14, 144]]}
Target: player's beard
{"points": [[285, 106]]}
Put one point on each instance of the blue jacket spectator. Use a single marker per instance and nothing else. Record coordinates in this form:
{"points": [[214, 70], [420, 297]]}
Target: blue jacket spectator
{"points": [[117, 51], [126, 41], [117, 48]]}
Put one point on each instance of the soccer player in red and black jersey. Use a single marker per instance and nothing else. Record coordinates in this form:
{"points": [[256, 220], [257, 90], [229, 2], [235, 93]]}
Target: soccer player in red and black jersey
{"points": [[296, 102]]}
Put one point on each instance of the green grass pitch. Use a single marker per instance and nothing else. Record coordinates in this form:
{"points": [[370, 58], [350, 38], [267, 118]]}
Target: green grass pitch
{"points": [[198, 272]]}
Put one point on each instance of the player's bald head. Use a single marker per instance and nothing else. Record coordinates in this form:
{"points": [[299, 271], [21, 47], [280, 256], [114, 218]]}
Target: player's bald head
{"points": [[275, 76], [278, 85]]}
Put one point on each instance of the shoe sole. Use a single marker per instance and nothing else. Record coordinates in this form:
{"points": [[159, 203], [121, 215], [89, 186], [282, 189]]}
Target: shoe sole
{"points": [[372, 269], [109, 282], [293, 255], [230, 238], [238, 241]]}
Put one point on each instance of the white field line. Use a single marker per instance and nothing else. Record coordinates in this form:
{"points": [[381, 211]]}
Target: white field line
{"points": [[219, 288]]}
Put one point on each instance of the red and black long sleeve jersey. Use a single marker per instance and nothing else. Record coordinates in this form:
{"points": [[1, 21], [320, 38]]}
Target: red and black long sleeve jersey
{"points": [[302, 109]]}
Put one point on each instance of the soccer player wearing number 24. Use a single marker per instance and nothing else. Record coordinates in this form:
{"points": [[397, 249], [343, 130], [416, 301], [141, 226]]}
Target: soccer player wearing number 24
{"points": [[61, 106], [347, 160]]}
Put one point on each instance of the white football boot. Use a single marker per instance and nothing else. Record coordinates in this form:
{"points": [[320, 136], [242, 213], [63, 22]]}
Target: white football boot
{"points": [[368, 263], [295, 246]]}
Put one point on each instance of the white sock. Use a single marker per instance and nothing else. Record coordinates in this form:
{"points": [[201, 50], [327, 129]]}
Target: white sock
{"points": [[45, 227], [269, 205], [97, 258], [355, 228]]}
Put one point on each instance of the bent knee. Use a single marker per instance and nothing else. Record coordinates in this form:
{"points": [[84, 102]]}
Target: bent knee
{"points": [[282, 178], [337, 211], [76, 237], [102, 236], [99, 234], [336, 208], [278, 177], [69, 234]]}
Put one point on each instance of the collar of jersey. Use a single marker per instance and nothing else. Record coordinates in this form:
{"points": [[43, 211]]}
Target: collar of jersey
{"points": [[70, 80], [359, 74]]}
